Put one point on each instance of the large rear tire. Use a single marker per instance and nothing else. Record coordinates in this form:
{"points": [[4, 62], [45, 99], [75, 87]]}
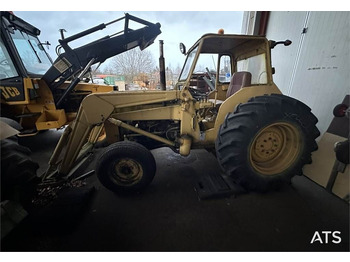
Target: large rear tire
{"points": [[266, 141], [18, 172], [126, 167]]}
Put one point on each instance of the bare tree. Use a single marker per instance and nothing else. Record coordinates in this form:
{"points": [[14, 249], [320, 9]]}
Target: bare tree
{"points": [[133, 63]]}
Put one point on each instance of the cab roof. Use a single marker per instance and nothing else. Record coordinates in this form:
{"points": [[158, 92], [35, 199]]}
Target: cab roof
{"points": [[18, 22], [225, 43]]}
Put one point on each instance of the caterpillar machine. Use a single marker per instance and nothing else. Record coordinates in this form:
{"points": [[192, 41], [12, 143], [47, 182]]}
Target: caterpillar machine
{"points": [[38, 94]]}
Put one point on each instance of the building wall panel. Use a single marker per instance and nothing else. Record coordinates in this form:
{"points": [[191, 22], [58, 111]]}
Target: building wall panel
{"points": [[316, 67]]}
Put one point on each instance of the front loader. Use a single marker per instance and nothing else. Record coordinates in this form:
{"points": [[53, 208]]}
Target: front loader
{"points": [[39, 94], [42, 94], [260, 137]]}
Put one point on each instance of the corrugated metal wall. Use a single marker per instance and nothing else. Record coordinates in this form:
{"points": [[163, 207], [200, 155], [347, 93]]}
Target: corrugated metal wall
{"points": [[316, 67]]}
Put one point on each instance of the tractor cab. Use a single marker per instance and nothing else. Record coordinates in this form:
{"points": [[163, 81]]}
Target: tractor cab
{"points": [[218, 65]]}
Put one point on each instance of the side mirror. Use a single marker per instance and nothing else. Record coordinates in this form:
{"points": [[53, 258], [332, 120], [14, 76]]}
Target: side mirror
{"points": [[287, 42], [274, 43], [182, 49]]}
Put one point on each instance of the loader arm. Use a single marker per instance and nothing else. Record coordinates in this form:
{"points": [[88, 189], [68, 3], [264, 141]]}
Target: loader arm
{"points": [[76, 135], [77, 61], [94, 110], [88, 117]]}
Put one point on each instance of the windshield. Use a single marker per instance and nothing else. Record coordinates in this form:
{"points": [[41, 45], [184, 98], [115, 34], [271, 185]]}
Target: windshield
{"points": [[7, 69], [188, 64], [206, 62], [30, 50]]}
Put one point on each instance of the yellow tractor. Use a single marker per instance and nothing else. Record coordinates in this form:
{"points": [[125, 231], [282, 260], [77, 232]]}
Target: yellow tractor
{"points": [[260, 137]]}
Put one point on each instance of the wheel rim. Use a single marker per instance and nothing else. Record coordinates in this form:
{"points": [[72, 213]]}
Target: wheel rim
{"points": [[275, 148], [127, 172]]}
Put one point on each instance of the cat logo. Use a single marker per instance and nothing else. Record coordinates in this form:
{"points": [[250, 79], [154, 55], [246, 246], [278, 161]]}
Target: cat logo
{"points": [[9, 92]]}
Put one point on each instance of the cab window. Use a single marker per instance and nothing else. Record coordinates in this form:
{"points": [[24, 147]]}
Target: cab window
{"points": [[256, 65], [225, 69], [187, 67], [7, 68], [31, 52], [204, 73]]}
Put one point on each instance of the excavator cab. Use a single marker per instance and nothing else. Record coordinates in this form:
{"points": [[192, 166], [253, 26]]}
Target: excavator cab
{"points": [[42, 94], [22, 56]]}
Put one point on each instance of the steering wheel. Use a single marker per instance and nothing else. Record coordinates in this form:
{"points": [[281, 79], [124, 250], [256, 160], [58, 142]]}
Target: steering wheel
{"points": [[196, 94]]}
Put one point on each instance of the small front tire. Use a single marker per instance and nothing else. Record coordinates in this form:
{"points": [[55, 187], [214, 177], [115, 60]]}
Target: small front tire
{"points": [[126, 167]]}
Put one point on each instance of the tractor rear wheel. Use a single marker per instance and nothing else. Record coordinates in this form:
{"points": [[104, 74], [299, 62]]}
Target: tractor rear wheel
{"points": [[126, 167], [18, 172], [266, 141]]}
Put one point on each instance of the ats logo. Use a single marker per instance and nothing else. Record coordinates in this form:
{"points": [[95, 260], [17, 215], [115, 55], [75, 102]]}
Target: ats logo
{"points": [[325, 237], [8, 92]]}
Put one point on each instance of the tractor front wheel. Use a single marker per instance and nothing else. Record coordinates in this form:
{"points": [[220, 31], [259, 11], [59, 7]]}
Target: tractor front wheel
{"points": [[126, 167]]}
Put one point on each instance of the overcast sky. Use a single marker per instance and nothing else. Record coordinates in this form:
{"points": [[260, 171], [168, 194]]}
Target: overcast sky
{"points": [[176, 27]]}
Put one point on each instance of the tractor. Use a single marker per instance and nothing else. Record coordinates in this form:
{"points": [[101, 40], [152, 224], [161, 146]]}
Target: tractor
{"points": [[260, 137]]}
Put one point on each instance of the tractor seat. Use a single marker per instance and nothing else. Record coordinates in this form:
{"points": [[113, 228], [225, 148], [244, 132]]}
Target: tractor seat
{"points": [[238, 81]]}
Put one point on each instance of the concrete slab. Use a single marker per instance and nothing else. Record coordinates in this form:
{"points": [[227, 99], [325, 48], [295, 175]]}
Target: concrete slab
{"points": [[169, 215]]}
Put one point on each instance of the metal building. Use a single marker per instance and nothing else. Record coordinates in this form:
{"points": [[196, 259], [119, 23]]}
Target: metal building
{"points": [[315, 69]]}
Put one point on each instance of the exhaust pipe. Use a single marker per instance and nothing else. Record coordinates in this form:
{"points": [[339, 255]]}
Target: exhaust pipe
{"points": [[162, 66]]}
